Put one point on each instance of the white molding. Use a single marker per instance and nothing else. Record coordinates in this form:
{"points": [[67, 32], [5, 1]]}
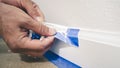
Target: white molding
{"points": [[99, 36]]}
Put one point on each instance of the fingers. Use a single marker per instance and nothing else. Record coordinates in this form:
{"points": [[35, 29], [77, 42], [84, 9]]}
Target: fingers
{"points": [[33, 10], [38, 27], [36, 54], [36, 47], [29, 6], [18, 39], [38, 44]]}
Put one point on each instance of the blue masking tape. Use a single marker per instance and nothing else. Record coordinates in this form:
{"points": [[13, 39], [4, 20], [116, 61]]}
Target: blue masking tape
{"points": [[60, 36], [70, 38], [60, 62], [35, 36], [72, 34]]}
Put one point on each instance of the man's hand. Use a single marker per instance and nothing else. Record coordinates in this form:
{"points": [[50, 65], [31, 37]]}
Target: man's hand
{"points": [[14, 26], [29, 7]]}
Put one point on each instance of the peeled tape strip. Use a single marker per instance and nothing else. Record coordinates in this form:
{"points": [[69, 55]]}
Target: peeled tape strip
{"points": [[70, 37], [72, 34]]}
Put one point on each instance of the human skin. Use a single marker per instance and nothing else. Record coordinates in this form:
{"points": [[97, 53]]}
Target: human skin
{"points": [[29, 6], [16, 18]]}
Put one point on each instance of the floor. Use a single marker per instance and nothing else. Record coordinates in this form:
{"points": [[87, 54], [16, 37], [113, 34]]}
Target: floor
{"points": [[15, 60]]}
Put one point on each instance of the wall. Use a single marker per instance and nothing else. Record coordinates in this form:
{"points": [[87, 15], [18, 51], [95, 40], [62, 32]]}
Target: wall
{"points": [[99, 21]]}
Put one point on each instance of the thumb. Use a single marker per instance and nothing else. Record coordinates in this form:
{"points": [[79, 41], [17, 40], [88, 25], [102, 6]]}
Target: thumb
{"points": [[39, 28], [33, 10]]}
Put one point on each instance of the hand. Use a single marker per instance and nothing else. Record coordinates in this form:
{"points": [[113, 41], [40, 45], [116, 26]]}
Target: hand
{"points": [[14, 25], [29, 7]]}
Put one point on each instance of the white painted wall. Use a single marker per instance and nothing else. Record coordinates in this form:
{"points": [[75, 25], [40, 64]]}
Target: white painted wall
{"points": [[99, 21]]}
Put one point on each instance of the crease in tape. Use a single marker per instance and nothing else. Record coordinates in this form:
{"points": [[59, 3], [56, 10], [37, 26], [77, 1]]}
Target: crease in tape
{"points": [[68, 35]]}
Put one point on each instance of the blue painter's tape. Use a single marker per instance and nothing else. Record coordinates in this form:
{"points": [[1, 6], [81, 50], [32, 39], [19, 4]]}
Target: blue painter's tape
{"points": [[35, 36], [74, 41], [70, 37], [60, 36], [60, 62], [72, 34]]}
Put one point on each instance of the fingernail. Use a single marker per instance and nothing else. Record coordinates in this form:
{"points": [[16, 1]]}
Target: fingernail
{"points": [[52, 31]]}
